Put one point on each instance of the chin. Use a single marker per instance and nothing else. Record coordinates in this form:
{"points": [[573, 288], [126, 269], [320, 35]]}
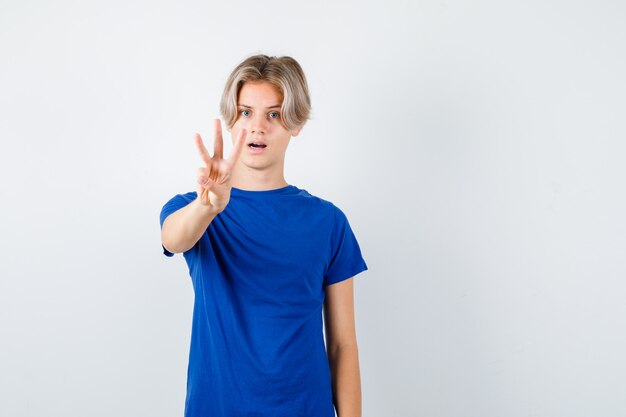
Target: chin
{"points": [[257, 164]]}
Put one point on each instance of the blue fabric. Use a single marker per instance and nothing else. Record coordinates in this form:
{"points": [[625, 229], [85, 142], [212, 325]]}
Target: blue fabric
{"points": [[259, 274]]}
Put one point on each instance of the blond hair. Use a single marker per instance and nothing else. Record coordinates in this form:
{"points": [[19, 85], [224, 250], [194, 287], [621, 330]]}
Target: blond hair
{"points": [[284, 73]]}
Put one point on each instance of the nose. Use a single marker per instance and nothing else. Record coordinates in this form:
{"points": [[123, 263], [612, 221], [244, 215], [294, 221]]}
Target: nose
{"points": [[258, 124]]}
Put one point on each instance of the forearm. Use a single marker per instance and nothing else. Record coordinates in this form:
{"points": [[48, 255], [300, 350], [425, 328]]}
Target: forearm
{"points": [[183, 228], [346, 380]]}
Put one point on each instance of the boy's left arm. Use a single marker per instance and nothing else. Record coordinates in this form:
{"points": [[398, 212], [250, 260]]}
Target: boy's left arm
{"points": [[342, 349]]}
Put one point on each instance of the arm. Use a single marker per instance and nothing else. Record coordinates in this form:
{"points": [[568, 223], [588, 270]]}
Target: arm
{"points": [[183, 228], [342, 349]]}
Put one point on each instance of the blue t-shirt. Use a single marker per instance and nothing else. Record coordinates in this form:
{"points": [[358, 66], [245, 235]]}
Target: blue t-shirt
{"points": [[259, 274]]}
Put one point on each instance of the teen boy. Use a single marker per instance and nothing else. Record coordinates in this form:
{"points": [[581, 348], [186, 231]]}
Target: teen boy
{"points": [[267, 259]]}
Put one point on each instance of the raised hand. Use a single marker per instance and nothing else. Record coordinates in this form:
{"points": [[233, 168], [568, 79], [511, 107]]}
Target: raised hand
{"points": [[215, 180]]}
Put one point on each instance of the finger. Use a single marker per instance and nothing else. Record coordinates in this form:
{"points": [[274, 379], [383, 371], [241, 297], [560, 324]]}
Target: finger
{"points": [[218, 146], [205, 187], [203, 152], [238, 148], [202, 174], [215, 170], [205, 182], [209, 171]]}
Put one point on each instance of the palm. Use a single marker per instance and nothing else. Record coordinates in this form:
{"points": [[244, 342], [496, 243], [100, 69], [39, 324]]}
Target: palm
{"points": [[214, 180]]}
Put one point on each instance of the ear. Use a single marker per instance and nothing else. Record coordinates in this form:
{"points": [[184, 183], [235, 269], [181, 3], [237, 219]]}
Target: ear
{"points": [[295, 132]]}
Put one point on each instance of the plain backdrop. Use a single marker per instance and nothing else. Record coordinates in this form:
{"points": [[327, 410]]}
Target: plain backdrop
{"points": [[477, 148]]}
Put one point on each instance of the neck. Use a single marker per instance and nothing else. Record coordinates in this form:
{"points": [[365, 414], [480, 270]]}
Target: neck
{"points": [[247, 178]]}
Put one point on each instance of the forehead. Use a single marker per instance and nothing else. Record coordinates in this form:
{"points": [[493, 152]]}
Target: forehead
{"points": [[259, 94]]}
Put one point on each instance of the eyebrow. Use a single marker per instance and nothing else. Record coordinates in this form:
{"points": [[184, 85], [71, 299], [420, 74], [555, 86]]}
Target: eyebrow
{"points": [[270, 107]]}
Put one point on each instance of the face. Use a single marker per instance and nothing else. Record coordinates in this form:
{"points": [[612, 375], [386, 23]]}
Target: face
{"points": [[258, 107]]}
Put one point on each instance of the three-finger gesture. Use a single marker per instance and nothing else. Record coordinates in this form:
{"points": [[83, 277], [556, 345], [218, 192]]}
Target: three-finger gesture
{"points": [[214, 180]]}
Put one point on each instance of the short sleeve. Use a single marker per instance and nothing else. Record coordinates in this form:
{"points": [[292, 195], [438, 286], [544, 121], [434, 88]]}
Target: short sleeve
{"points": [[346, 259], [175, 203]]}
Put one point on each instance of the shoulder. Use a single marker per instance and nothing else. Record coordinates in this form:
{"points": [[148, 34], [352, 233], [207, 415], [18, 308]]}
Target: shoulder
{"points": [[186, 197], [322, 204], [333, 215], [180, 200]]}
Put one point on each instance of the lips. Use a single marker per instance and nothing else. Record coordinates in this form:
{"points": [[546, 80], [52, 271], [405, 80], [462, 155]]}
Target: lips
{"points": [[257, 143]]}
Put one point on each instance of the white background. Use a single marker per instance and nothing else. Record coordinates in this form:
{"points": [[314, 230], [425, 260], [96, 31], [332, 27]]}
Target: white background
{"points": [[477, 148]]}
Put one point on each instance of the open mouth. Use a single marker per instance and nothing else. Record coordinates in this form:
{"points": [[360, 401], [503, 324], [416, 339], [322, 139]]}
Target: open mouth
{"points": [[257, 145]]}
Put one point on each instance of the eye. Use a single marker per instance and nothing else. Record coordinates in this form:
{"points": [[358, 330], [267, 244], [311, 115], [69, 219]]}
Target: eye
{"points": [[275, 117], [243, 112]]}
